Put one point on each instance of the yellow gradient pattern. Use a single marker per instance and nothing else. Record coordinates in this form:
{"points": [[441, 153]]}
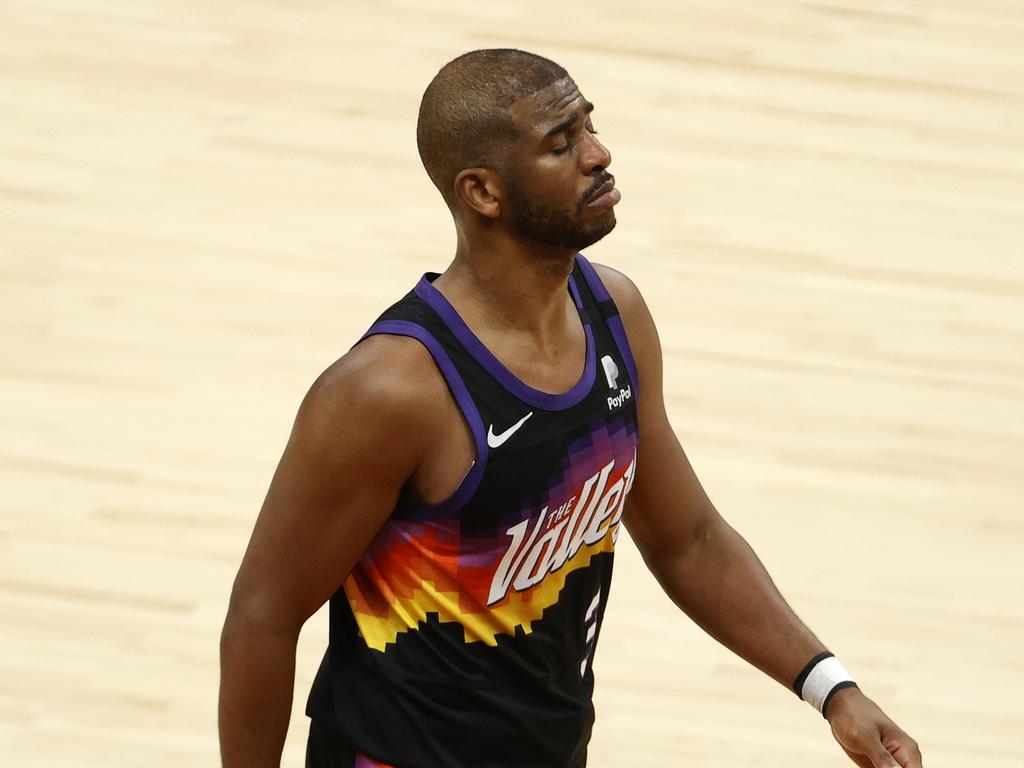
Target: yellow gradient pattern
{"points": [[481, 625]]}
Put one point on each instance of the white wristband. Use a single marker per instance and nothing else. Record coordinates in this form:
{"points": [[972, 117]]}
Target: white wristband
{"points": [[820, 679]]}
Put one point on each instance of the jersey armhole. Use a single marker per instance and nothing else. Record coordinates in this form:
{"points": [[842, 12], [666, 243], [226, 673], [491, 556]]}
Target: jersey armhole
{"points": [[610, 312], [467, 487]]}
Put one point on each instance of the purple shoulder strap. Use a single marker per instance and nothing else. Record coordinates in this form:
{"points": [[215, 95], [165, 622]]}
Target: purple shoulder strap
{"points": [[463, 399], [611, 314]]}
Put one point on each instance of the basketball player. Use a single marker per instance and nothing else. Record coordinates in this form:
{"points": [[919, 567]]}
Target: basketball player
{"points": [[456, 482]]}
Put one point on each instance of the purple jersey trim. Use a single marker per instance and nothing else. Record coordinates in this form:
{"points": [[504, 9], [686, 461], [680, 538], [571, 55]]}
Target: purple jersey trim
{"points": [[549, 401], [575, 291], [471, 481], [614, 322]]}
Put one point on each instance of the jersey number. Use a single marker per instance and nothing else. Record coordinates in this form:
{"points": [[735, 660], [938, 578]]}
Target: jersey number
{"points": [[590, 624]]}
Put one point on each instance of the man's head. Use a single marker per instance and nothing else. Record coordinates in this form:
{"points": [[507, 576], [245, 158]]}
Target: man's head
{"points": [[506, 137]]}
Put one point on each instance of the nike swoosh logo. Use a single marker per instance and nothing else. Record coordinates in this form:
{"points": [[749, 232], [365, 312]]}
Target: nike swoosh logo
{"points": [[496, 441]]}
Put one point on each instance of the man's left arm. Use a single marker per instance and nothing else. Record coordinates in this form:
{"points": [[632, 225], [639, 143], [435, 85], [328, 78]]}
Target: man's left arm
{"points": [[711, 573]]}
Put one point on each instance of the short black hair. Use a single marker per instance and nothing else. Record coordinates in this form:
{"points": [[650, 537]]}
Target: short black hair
{"points": [[463, 119]]}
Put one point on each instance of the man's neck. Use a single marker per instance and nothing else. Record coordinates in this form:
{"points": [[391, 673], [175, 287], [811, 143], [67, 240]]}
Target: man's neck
{"points": [[517, 288]]}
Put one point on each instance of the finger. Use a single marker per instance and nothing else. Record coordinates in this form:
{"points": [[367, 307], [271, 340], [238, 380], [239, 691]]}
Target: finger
{"points": [[883, 759], [860, 760], [905, 750], [880, 757]]}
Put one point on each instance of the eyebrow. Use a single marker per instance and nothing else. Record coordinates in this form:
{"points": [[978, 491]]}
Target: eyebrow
{"points": [[587, 109]]}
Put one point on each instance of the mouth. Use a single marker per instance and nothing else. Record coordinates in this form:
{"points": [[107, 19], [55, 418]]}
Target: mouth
{"points": [[605, 196]]}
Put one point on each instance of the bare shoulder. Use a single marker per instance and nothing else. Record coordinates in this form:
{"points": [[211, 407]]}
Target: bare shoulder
{"points": [[622, 289], [385, 387], [385, 370], [631, 305], [640, 330]]}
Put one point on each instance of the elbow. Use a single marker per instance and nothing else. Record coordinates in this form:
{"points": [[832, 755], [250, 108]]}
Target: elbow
{"points": [[253, 613], [672, 558], [233, 632], [703, 534]]}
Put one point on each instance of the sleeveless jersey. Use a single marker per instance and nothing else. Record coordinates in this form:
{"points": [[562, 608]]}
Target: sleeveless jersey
{"points": [[464, 635]]}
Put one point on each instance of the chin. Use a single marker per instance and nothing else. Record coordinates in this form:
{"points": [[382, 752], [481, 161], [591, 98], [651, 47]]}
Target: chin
{"points": [[598, 232]]}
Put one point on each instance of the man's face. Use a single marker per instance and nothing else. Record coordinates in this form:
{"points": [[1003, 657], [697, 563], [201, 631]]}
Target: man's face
{"points": [[558, 191]]}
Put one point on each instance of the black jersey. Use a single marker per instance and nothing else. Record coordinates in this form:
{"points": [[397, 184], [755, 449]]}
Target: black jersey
{"points": [[464, 635]]}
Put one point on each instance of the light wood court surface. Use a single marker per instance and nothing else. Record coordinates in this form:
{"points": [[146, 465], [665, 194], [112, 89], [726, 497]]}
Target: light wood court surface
{"points": [[202, 205]]}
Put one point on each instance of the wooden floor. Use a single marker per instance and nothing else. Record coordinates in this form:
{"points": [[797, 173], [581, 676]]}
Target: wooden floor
{"points": [[203, 204]]}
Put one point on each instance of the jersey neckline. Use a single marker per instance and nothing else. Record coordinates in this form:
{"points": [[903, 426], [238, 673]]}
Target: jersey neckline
{"points": [[550, 401]]}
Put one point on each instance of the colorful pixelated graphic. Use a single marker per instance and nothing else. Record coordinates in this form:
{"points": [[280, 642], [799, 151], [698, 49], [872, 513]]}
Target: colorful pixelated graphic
{"points": [[492, 585]]}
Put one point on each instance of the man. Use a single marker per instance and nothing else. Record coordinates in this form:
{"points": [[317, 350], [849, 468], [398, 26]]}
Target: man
{"points": [[455, 483]]}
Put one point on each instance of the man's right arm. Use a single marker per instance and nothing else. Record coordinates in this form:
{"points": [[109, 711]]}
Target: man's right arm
{"points": [[360, 433]]}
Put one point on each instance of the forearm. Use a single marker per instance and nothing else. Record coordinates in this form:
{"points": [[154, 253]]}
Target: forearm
{"points": [[256, 682], [722, 585]]}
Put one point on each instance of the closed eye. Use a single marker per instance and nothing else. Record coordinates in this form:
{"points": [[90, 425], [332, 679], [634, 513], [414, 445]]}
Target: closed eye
{"points": [[568, 144]]}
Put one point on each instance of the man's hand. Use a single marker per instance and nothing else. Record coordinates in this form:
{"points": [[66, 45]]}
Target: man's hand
{"points": [[867, 735]]}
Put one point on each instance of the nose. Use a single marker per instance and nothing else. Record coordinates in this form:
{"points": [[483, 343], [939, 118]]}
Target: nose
{"points": [[596, 155]]}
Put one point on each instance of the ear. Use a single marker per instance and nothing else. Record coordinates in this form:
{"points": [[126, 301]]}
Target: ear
{"points": [[480, 190]]}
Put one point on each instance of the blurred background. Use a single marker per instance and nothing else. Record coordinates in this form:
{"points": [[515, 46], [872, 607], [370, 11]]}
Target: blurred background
{"points": [[202, 205]]}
